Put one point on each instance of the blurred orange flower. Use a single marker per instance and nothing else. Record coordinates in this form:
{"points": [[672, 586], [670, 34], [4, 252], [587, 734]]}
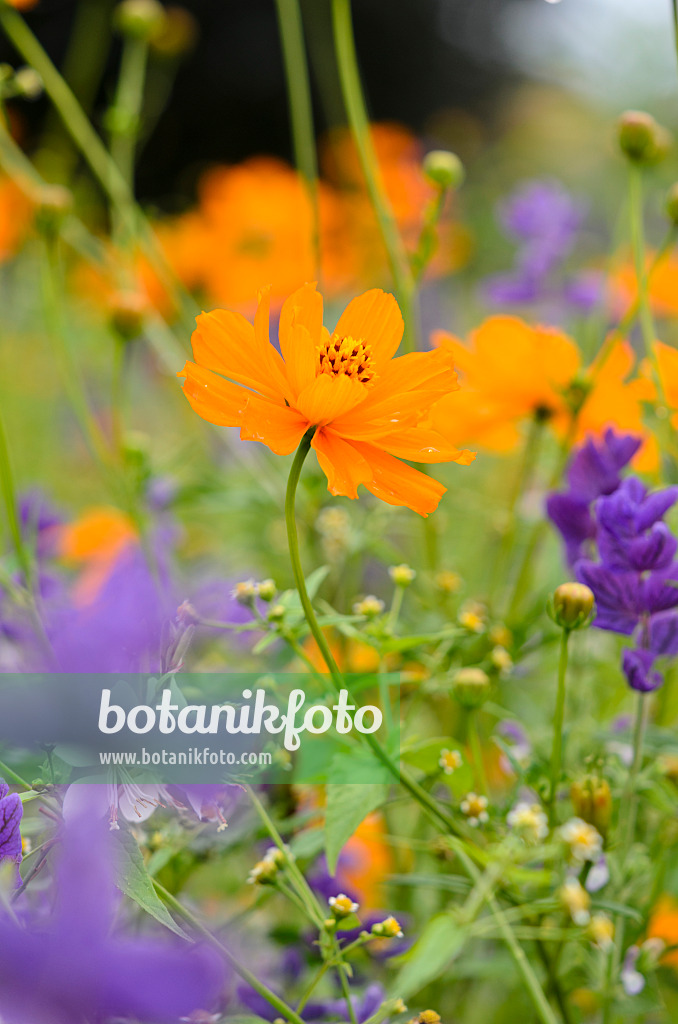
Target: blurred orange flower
{"points": [[365, 862], [399, 156], [368, 409], [15, 217], [662, 284], [664, 925], [514, 372], [95, 541]]}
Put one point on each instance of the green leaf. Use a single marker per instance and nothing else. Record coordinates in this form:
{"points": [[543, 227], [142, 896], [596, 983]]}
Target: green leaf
{"points": [[440, 942], [134, 881], [347, 807]]}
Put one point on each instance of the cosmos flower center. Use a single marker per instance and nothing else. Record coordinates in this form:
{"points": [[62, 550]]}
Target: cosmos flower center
{"points": [[347, 357]]}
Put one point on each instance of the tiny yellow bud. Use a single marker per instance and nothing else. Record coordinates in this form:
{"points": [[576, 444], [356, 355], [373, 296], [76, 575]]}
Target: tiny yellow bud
{"points": [[471, 686], [267, 590], [641, 138], [402, 575], [141, 19], [572, 605], [444, 168], [369, 606], [447, 581]]}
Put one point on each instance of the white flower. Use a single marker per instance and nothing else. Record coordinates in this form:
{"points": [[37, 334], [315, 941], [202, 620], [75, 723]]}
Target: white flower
{"points": [[342, 905], [449, 761], [529, 821], [584, 841], [576, 901], [475, 809]]}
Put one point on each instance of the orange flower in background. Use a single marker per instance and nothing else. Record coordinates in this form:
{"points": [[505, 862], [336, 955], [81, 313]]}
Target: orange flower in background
{"points": [[664, 925], [399, 156], [667, 367], [365, 862], [368, 409], [95, 542], [662, 284], [15, 217], [513, 372]]}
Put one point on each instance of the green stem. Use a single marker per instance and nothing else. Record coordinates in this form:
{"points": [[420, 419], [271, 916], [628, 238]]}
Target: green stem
{"points": [[354, 101], [630, 799], [433, 811], [126, 112], [647, 326], [278, 1004], [11, 508], [8, 773], [93, 150], [476, 752], [558, 719], [301, 106]]}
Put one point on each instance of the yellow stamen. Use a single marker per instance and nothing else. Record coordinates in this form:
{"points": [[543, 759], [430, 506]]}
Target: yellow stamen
{"points": [[348, 357]]}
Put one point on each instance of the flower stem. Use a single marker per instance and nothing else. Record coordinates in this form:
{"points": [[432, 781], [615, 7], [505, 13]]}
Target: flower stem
{"points": [[95, 153], [436, 814], [558, 719], [8, 491], [476, 752], [354, 101], [630, 795], [301, 106], [646, 320], [258, 986]]}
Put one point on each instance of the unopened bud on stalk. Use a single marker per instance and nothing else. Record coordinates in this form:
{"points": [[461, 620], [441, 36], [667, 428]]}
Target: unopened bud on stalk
{"points": [[443, 168], [179, 33], [55, 202], [592, 801], [642, 139], [141, 19], [28, 83], [571, 606], [127, 313], [267, 590], [402, 575], [471, 686]]}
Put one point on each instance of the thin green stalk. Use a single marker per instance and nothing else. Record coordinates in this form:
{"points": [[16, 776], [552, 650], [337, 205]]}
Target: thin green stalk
{"points": [[558, 720], [11, 508], [354, 101], [301, 106], [94, 151], [436, 814], [125, 115], [278, 1004], [675, 24], [647, 326], [9, 773], [476, 752], [396, 606]]}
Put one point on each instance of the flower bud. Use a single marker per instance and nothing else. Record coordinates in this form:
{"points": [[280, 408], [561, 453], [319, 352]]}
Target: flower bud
{"points": [[641, 138], [342, 906], [402, 575], [245, 593], [370, 606], [29, 83], [140, 19], [127, 313], [471, 687], [576, 901], [426, 1017], [592, 801], [267, 590], [178, 35], [443, 168], [447, 581], [387, 929], [55, 203], [601, 931], [572, 605], [276, 613]]}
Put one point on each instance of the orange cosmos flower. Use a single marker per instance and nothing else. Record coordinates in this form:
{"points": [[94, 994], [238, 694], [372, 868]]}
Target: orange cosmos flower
{"points": [[514, 372], [95, 541], [368, 409], [662, 284], [15, 216], [664, 925]]}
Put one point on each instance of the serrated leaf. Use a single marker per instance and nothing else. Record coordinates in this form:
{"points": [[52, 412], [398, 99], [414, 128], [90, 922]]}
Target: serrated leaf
{"points": [[441, 941], [134, 881], [347, 807]]}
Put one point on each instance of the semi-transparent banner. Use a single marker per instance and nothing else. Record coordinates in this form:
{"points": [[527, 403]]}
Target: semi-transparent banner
{"points": [[226, 727]]}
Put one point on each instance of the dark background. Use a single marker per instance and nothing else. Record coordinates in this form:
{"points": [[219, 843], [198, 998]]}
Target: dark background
{"points": [[227, 99]]}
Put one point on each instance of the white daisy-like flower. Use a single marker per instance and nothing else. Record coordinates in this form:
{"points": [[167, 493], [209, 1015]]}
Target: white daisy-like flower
{"points": [[528, 821], [449, 761], [475, 809], [585, 841], [576, 901], [342, 905]]}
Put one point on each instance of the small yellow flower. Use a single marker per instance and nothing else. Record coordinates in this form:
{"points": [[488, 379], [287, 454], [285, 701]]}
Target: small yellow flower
{"points": [[426, 1017], [585, 841], [500, 635], [245, 592], [501, 659], [473, 616], [342, 906], [601, 931], [399, 1006], [529, 821], [369, 606], [388, 929], [449, 761], [447, 581], [475, 809], [576, 901], [402, 575]]}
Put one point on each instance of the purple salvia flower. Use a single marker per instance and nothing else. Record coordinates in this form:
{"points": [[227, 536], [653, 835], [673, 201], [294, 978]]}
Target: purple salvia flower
{"points": [[75, 966], [11, 811]]}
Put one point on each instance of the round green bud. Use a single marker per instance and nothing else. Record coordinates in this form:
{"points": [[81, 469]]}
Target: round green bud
{"points": [[471, 686], [28, 83], [402, 575], [267, 590], [55, 201], [572, 605], [141, 19], [179, 33], [443, 168], [127, 314], [642, 139]]}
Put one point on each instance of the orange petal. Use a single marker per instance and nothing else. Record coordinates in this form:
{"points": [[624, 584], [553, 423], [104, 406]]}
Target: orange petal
{"points": [[419, 444], [419, 370], [271, 359], [225, 342], [399, 484], [375, 319], [328, 397], [343, 466], [301, 357], [305, 306], [277, 426], [215, 399], [371, 420]]}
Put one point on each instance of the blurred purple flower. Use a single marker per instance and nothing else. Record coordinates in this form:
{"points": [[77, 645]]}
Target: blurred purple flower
{"points": [[73, 965], [545, 220], [11, 811]]}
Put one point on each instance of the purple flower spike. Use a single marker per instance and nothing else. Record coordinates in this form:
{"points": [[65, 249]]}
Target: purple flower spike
{"points": [[637, 666], [11, 811]]}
